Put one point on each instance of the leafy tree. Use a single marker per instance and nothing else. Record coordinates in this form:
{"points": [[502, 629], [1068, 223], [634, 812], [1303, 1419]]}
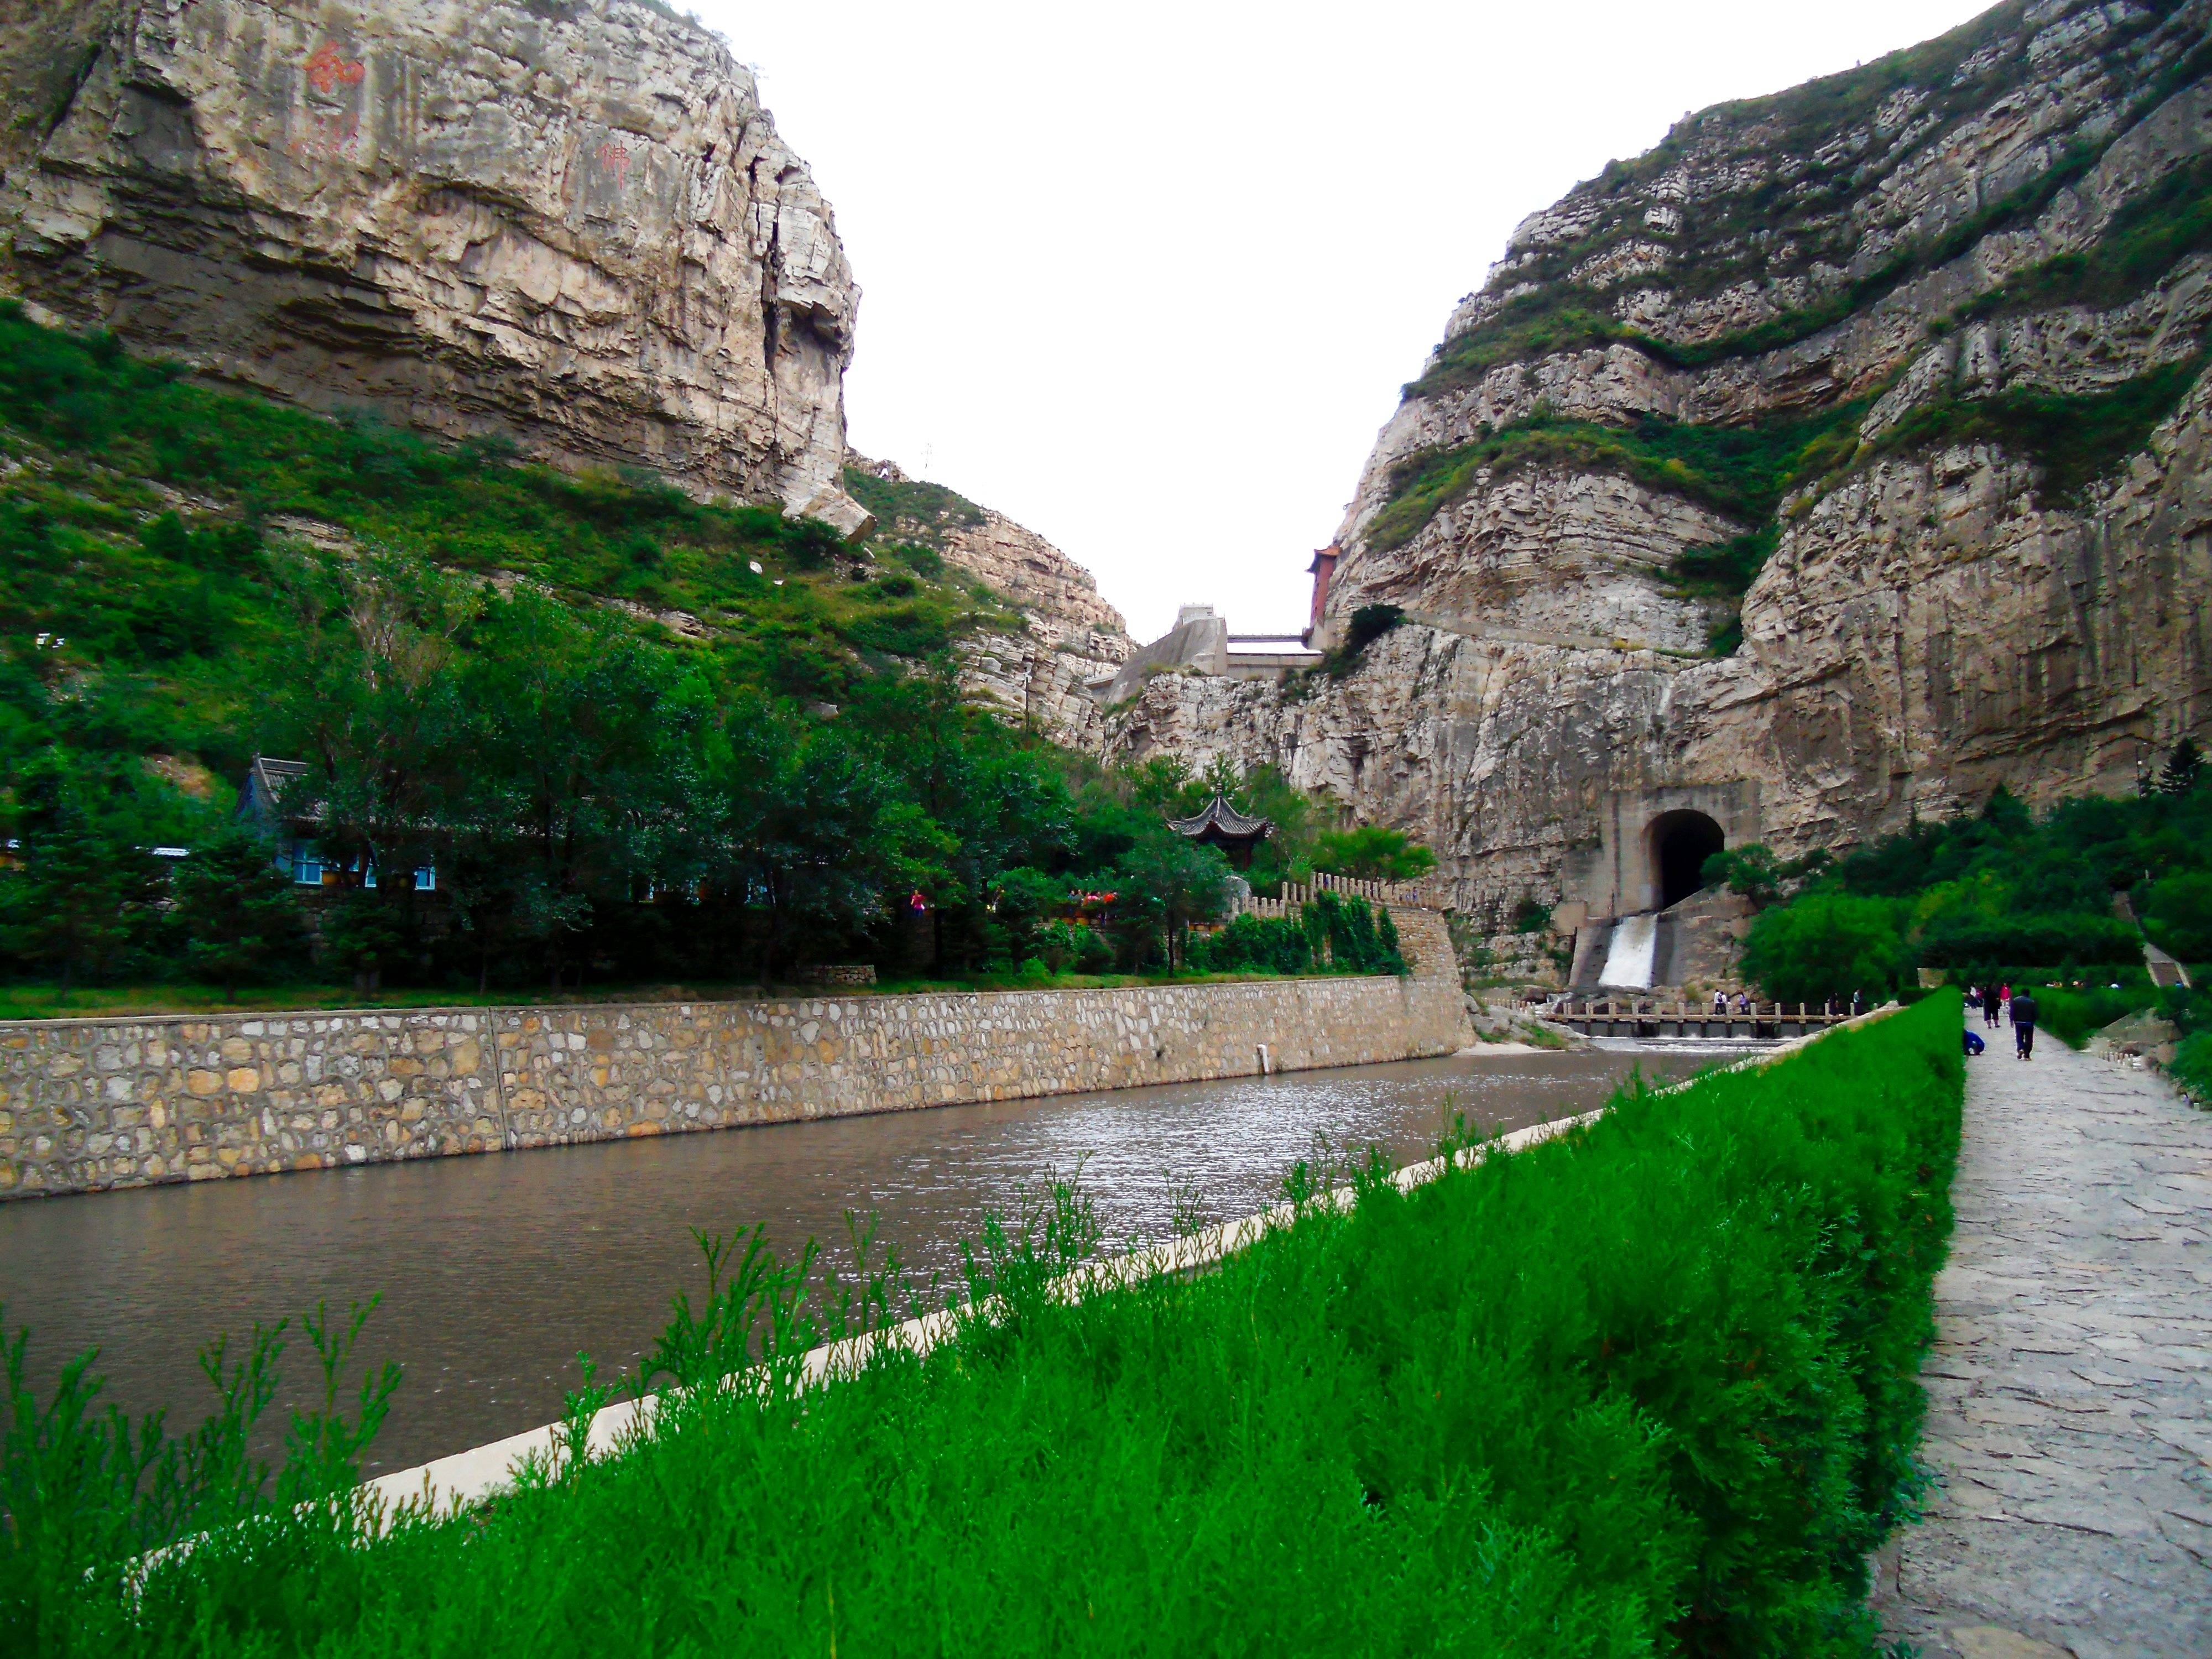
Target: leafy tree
{"points": [[363, 936], [1166, 884], [236, 910], [1826, 945], [1371, 852], [1755, 874], [2179, 915]]}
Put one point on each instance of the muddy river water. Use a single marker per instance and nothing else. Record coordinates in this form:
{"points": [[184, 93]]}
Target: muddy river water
{"points": [[494, 1271]]}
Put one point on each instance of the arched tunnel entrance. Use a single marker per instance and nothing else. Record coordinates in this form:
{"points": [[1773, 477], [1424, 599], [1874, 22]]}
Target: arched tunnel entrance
{"points": [[1681, 843]]}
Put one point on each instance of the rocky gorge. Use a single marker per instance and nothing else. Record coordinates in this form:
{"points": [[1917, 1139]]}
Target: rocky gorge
{"points": [[1835, 462], [568, 224]]}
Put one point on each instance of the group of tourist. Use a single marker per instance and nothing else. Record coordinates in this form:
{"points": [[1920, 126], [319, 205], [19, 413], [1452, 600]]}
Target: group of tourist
{"points": [[2000, 1005]]}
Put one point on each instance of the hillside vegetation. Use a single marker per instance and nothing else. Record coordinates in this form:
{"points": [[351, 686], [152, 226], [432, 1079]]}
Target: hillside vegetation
{"points": [[2002, 893], [637, 737]]}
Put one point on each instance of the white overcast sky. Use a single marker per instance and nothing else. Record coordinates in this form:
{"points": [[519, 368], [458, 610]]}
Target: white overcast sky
{"points": [[1147, 278]]}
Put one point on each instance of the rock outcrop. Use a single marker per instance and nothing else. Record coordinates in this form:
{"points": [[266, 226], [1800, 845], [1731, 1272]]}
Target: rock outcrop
{"points": [[1005, 557], [1071, 638], [569, 222], [1916, 352]]}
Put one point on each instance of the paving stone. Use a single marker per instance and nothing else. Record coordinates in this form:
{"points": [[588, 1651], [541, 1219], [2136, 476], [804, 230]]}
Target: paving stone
{"points": [[2069, 1430]]}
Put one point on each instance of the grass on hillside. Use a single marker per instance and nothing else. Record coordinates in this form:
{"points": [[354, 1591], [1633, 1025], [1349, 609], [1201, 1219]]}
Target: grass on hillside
{"points": [[1738, 471], [2146, 239], [135, 507], [2074, 440], [1649, 1388], [1744, 471]]}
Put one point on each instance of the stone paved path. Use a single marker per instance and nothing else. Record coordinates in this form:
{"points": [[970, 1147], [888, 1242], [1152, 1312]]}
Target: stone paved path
{"points": [[2070, 1386]]}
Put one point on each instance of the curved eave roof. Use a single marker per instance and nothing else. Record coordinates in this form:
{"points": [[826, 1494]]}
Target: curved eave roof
{"points": [[1223, 819]]}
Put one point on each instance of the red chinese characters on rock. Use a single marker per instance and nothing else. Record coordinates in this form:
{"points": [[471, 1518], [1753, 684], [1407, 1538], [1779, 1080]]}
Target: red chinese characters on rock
{"points": [[330, 131], [328, 70], [616, 158]]}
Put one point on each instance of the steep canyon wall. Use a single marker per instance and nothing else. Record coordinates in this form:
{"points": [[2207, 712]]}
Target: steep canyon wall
{"points": [[567, 223], [1920, 345]]}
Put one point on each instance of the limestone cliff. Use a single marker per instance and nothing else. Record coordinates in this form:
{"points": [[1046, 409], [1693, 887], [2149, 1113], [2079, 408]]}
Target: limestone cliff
{"points": [[566, 221], [1844, 458], [1039, 678]]}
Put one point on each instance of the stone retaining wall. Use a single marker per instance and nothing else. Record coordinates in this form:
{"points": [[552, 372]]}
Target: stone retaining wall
{"points": [[86, 1105]]}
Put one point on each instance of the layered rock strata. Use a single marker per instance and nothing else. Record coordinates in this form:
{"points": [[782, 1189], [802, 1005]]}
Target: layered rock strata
{"points": [[1951, 304], [569, 222]]}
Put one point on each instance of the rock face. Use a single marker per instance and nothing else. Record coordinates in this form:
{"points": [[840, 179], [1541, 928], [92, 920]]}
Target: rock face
{"points": [[566, 221], [1038, 679], [1921, 344], [990, 546]]}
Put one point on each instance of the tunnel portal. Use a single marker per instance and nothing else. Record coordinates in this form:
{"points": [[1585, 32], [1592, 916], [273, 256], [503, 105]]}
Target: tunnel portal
{"points": [[1682, 841]]}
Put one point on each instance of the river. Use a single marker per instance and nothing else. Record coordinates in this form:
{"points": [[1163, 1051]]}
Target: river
{"points": [[494, 1271]]}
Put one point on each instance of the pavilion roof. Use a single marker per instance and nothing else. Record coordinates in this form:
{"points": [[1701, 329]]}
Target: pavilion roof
{"points": [[1222, 819]]}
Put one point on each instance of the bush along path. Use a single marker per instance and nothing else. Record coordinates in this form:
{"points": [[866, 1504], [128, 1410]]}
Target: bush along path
{"points": [[1646, 1388], [2070, 1429]]}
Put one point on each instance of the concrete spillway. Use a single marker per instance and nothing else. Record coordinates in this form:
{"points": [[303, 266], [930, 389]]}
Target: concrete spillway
{"points": [[1629, 954]]}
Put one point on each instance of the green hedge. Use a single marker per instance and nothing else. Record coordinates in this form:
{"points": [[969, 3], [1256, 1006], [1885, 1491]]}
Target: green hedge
{"points": [[1648, 1388], [1331, 933]]}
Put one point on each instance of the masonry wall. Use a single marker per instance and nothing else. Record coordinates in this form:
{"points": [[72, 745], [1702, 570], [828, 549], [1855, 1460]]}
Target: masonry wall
{"points": [[86, 1105]]}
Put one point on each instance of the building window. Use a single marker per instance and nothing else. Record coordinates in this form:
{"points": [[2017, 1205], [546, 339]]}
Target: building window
{"points": [[426, 878], [306, 863]]}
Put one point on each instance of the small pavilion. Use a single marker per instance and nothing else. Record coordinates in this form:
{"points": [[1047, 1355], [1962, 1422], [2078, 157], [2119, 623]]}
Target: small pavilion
{"points": [[1222, 825]]}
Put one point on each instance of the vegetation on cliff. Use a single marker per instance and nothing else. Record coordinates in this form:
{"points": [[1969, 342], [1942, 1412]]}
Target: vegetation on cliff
{"points": [[637, 737], [1758, 225], [1565, 1401], [1792, 220], [1745, 471], [1742, 472]]}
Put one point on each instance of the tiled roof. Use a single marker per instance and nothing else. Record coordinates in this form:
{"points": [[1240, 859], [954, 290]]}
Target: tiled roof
{"points": [[1223, 819]]}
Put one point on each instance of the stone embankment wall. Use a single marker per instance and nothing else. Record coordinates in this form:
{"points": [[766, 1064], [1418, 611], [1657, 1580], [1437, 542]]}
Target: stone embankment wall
{"points": [[86, 1105]]}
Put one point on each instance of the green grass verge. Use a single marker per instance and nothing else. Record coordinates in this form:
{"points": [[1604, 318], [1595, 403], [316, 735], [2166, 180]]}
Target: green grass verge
{"points": [[2073, 1017], [1648, 1388], [2192, 1067]]}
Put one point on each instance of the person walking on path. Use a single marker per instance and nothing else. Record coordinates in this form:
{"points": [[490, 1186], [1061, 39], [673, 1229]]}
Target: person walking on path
{"points": [[2023, 1024], [1990, 1007], [2069, 1407], [2004, 1001]]}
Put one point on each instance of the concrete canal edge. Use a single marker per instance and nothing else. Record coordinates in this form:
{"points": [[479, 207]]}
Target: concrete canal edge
{"points": [[87, 1105], [465, 1479]]}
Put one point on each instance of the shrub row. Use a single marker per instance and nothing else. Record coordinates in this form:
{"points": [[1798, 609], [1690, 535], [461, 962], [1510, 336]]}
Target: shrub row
{"points": [[1649, 1388]]}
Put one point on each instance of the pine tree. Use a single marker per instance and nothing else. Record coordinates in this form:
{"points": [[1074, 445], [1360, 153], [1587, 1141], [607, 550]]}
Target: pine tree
{"points": [[2182, 770], [236, 909]]}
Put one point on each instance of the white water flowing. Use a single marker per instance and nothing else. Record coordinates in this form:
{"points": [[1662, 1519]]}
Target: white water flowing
{"points": [[1628, 956]]}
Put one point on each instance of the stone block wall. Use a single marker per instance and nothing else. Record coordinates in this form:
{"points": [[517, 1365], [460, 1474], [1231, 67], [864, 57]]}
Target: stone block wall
{"points": [[86, 1105]]}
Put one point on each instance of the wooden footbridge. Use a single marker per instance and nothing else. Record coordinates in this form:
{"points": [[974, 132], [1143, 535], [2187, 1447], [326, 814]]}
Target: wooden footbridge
{"points": [[1650, 1017]]}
